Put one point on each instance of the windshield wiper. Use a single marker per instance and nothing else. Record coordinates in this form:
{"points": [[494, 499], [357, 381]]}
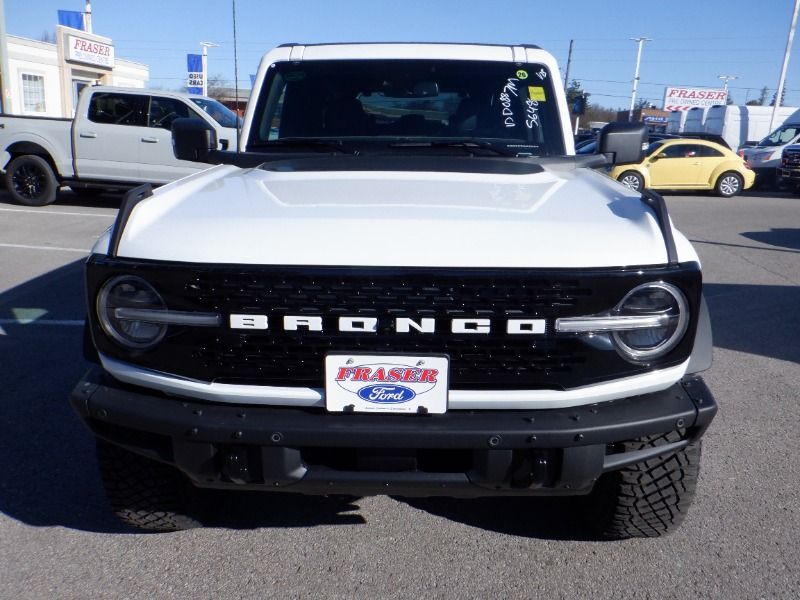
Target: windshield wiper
{"points": [[304, 143]]}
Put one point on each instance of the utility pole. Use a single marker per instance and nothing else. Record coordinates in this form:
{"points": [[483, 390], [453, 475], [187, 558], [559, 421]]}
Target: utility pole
{"points": [[639, 41], [569, 62], [206, 46], [5, 89], [782, 80]]}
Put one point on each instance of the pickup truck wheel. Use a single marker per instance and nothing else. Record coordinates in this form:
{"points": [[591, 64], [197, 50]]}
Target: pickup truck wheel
{"points": [[648, 499], [30, 181], [729, 184], [144, 493], [633, 180]]}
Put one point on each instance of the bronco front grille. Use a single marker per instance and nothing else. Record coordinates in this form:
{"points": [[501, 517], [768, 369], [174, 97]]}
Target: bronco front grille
{"points": [[296, 358]]}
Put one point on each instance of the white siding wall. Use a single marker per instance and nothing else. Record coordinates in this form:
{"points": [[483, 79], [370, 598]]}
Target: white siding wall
{"points": [[34, 58], [130, 74], [41, 59]]}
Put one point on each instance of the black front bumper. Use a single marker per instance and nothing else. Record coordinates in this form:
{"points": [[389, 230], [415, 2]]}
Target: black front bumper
{"points": [[461, 453], [789, 174]]}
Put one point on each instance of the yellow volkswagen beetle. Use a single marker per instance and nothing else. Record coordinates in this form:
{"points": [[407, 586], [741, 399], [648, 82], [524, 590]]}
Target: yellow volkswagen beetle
{"points": [[687, 164]]}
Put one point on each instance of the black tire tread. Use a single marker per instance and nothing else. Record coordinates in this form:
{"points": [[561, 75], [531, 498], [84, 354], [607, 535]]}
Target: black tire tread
{"points": [[648, 499], [49, 196], [144, 493]]}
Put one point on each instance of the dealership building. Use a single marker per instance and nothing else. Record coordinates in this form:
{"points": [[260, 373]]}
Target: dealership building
{"points": [[44, 79]]}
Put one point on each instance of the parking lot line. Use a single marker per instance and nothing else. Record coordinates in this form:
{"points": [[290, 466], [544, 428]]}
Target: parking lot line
{"points": [[58, 212], [57, 248]]}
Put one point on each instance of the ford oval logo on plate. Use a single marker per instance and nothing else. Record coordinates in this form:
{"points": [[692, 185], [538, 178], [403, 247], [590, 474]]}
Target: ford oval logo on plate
{"points": [[386, 394]]}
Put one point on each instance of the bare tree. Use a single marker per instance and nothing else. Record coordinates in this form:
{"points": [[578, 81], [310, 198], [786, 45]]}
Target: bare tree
{"points": [[762, 97], [217, 85]]}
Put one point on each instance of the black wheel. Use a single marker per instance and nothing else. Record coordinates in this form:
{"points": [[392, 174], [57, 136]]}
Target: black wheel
{"points": [[729, 184], [648, 499], [30, 181], [146, 494], [632, 179]]}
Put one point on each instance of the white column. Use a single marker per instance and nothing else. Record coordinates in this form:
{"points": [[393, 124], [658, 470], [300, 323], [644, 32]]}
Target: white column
{"points": [[87, 17]]}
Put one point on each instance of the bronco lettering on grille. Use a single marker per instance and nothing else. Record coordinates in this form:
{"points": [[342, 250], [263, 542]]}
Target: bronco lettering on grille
{"points": [[401, 324]]}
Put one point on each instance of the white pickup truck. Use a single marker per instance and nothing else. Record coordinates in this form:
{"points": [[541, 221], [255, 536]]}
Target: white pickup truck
{"points": [[403, 283], [119, 138]]}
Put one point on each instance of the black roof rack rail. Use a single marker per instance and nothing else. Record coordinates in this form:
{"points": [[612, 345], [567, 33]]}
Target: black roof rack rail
{"points": [[656, 202]]}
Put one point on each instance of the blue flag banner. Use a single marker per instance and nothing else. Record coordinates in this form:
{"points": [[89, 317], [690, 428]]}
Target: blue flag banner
{"points": [[71, 18], [194, 65], [252, 81]]}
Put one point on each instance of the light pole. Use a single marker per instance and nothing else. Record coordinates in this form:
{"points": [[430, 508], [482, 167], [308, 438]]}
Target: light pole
{"points": [[726, 79], [206, 46], [639, 41], [782, 79]]}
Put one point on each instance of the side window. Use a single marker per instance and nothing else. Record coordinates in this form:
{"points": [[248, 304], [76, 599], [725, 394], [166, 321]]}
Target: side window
{"points": [[163, 111], [118, 109], [708, 152], [680, 151]]}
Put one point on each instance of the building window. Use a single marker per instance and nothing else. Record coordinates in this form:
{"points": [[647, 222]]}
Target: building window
{"points": [[33, 93]]}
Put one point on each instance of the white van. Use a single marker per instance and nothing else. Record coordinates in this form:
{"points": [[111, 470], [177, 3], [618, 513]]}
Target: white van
{"points": [[695, 118], [740, 124], [676, 122], [765, 158]]}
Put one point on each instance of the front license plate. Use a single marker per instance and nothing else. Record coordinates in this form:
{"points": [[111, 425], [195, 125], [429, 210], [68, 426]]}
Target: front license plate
{"points": [[386, 383]]}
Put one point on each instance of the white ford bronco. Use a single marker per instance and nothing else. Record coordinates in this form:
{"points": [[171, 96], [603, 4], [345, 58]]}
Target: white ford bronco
{"points": [[402, 282]]}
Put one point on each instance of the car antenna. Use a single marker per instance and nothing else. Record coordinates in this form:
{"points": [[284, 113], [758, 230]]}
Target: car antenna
{"points": [[236, 75]]}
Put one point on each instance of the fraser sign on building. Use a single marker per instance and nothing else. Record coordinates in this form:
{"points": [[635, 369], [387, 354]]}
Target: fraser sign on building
{"points": [[91, 52], [681, 98]]}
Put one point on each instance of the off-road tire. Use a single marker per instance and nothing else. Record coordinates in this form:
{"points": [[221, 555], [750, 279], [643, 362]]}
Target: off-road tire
{"points": [[729, 184], [648, 499], [31, 181], [144, 493], [632, 180]]}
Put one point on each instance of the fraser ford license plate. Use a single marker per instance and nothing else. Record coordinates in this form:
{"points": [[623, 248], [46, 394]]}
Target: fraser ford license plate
{"points": [[386, 383]]}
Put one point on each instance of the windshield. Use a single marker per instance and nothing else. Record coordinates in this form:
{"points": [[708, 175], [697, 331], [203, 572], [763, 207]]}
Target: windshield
{"points": [[782, 135], [218, 111], [654, 146], [410, 103]]}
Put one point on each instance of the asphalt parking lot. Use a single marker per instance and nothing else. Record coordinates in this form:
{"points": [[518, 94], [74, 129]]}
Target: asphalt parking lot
{"points": [[739, 540]]}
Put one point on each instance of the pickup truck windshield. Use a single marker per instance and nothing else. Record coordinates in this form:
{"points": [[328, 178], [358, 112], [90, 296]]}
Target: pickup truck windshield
{"points": [[409, 104], [218, 111]]}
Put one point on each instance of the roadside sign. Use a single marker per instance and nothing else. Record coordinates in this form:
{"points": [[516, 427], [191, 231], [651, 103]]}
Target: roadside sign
{"points": [[682, 98]]}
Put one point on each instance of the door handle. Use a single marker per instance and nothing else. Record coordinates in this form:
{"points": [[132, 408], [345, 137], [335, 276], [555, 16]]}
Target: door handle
{"points": [[150, 140], [88, 134]]}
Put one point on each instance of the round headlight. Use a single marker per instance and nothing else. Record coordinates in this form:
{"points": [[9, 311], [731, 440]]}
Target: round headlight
{"points": [[129, 292], [661, 300]]}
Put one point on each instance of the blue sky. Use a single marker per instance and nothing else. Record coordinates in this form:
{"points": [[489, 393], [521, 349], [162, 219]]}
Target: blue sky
{"points": [[693, 41]]}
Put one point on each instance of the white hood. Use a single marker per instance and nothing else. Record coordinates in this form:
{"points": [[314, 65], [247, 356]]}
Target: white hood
{"points": [[571, 219]]}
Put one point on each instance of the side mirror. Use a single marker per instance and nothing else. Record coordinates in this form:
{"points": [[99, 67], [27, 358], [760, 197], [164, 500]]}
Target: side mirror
{"points": [[623, 143], [193, 139]]}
